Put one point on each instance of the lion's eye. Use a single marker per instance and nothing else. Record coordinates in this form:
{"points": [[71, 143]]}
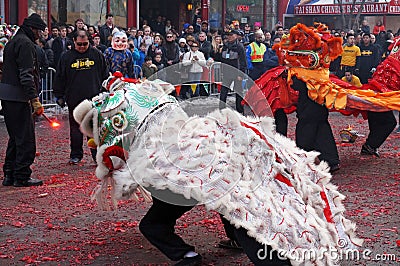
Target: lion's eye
{"points": [[119, 121]]}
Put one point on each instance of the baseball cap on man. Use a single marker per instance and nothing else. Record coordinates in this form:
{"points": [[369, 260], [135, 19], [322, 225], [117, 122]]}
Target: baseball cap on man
{"points": [[233, 32], [35, 21]]}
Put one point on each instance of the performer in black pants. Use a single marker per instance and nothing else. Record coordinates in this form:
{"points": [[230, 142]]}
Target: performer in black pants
{"points": [[281, 122], [158, 227], [380, 126], [259, 254], [313, 131]]}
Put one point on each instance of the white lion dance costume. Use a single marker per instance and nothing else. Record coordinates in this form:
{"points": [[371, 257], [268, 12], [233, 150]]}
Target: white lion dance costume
{"points": [[235, 165]]}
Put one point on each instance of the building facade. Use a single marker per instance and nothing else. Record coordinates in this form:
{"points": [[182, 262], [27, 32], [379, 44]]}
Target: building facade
{"points": [[330, 12], [131, 13]]}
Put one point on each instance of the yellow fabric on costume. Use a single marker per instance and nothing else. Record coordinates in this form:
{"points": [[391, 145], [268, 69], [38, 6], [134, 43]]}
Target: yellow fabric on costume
{"points": [[320, 88], [325, 92], [355, 81]]}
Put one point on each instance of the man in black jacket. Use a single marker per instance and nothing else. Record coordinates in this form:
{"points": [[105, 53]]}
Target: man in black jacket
{"points": [[205, 46], [106, 30], [19, 93], [79, 76], [234, 55], [60, 44]]}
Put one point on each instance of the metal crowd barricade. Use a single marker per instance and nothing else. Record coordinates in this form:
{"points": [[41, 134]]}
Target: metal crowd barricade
{"points": [[46, 95], [215, 78], [137, 70]]}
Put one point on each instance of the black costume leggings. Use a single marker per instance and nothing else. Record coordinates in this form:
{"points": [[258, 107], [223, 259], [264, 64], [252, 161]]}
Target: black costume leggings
{"points": [[76, 137], [313, 131], [258, 253], [238, 93], [158, 227], [21, 147], [380, 126]]}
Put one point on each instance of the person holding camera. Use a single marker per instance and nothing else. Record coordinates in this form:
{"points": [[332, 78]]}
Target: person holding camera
{"points": [[157, 48], [195, 59], [216, 48]]}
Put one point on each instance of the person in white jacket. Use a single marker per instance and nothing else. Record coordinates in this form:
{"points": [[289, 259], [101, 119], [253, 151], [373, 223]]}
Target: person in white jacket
{"points": [[196, 60]]}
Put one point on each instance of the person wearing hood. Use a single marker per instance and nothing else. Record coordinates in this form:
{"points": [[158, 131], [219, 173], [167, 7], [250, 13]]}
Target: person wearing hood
{"points": [[255, 56], [19, 95]]}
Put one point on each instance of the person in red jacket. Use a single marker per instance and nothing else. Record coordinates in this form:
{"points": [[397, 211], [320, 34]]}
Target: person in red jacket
{"points": [[378, 28]]}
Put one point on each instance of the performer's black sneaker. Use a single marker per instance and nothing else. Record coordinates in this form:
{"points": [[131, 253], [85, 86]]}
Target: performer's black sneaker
{"points": [[74, 161], [30, 182], [334, 168], [190, 261], [8, 178], [230, 244], [368, 150]]}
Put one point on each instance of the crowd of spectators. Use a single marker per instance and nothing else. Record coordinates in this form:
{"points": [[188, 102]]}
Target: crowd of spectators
{"points": [[161, 42]]}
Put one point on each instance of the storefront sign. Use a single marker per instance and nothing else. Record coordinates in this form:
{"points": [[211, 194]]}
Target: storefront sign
{"points": [[372, 8], [242, 8]]}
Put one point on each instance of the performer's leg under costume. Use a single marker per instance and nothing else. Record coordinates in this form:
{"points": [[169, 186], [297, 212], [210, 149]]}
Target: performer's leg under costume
{"points": [[313, 131], [257, 71], [380, 126], [238, 93], [158, 227], [258, 253], [76, 136], [281, 122], [229, 228], [223, 96], [21, 147]]}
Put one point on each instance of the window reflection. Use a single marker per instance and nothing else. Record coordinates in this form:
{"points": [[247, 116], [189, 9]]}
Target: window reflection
{"points": [[39, 7], [118, 9]]}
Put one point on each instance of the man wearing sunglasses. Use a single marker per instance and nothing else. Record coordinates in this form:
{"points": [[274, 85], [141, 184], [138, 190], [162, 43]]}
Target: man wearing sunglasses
{"points": [[79, 76]]}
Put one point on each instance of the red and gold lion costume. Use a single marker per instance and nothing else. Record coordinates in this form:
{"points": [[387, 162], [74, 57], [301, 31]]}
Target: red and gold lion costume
{"points": [[306, 53]]}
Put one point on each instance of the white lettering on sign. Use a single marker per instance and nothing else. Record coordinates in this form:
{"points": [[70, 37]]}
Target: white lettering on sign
{"points": [[394, 9], [374, 8]]}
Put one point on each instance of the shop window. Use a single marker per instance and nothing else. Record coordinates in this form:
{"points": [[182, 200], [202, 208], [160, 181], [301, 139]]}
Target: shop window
{"points": [[244, 11], [39, 7], [67, 11], [118, 9], [215, 17]]}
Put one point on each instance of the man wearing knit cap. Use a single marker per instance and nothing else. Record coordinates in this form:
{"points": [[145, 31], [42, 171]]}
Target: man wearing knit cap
{"points": [[19, 93]]}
